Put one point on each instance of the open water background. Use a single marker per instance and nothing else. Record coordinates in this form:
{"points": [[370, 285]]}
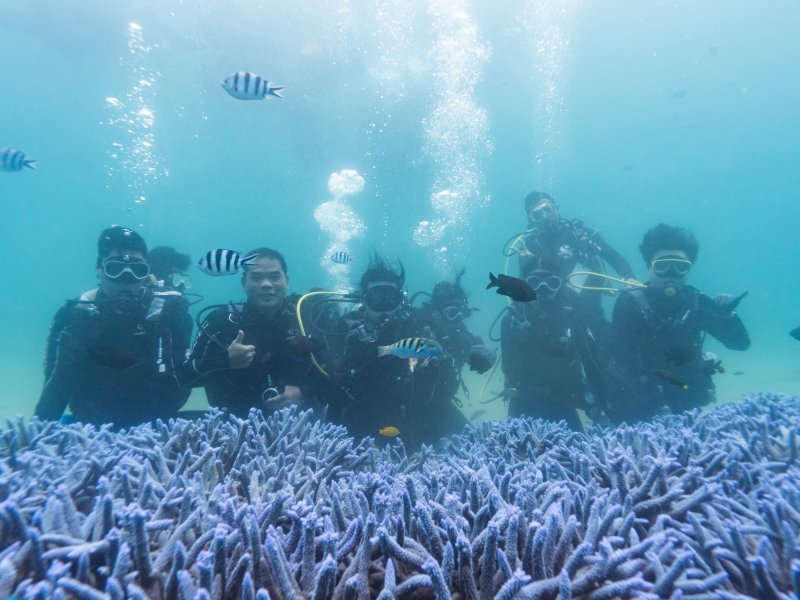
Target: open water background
{"points": [[628, 113]]}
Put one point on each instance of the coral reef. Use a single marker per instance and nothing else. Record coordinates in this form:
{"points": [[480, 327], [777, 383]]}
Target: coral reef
{"points": [[704, 505]]}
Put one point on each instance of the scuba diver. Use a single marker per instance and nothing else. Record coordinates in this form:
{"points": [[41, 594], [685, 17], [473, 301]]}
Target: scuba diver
{"points": [[445, 314], [252, 354], [550, 356], [168, 268], [113, 354], [378, 385], [570, 245], [659, 330]]}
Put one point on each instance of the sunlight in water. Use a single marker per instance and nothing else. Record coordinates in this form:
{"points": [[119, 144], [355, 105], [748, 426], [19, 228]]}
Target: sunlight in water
{"points": [[456, 133]]}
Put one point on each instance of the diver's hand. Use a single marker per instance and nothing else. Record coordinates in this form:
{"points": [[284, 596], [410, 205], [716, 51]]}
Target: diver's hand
{"points": [[240, 356], [633, 282], [725, 304], [291, 395], [481, 358]]}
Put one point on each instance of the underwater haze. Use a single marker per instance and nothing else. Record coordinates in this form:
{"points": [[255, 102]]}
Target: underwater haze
{"points": [[412, 127]]}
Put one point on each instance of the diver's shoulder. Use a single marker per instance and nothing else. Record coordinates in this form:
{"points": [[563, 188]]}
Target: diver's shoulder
{"points": [[215, 313], [86, 300]]}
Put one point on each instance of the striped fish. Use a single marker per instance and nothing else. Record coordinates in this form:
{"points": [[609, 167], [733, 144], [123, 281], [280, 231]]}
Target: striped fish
{"points": [[223, 262], [13, 160], [341, 258], [249, 86], [411, 348]]}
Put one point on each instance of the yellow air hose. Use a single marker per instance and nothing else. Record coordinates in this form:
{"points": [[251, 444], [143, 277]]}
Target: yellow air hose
{"points": [[302, 327], [509, 250], [624, 282]]}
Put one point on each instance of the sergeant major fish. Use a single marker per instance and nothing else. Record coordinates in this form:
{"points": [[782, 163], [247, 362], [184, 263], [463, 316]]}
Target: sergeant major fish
{"points": [[513, 287], [13, 160], [341, 258], [411, 348], [249, 86], [224, 262]]}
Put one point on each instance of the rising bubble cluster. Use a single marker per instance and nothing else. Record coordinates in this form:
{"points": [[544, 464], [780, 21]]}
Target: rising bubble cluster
{"points": [[134, 163], [456, 132], [337, 218], [546, 28], [345, 183]]}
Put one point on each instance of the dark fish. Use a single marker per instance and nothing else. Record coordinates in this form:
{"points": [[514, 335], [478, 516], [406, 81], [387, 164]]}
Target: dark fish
{"points": [[114, 358], [670, 378], [795, 333], [513, 287], [738, 372], [302, 344], [680, 355]]}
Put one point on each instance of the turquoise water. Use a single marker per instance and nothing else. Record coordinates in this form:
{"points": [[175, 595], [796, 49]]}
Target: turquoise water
{"points": [[628, 113]]}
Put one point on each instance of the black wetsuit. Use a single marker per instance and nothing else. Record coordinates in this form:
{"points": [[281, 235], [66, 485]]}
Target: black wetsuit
{"points": [[551, 358], [277, 363], [455, 336], [658, 350], [115, 364], [569, 244], [371, 392]]}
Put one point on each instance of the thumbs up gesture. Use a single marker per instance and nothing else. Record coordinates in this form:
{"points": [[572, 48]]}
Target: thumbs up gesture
{"points": [[240, 355]]}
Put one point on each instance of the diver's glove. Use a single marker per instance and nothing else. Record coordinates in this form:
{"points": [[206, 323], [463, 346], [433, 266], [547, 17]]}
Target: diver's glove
{"points": [[632, 282], [711, 364], [481, 358], [725, 304]]}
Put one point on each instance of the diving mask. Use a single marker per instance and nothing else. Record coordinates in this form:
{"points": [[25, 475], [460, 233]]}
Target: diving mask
{"points": [[126, 269], [544, 283], [383, 297], [455, 312], [179, 281], [543, 212], [671, 267]]}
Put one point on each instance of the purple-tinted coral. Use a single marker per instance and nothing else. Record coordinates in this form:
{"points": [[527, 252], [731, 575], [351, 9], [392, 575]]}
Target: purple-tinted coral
{"points": [[691, 507]]}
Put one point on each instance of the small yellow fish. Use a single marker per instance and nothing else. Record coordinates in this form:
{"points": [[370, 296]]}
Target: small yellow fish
{"points": [[389, 431], [670, 378]]}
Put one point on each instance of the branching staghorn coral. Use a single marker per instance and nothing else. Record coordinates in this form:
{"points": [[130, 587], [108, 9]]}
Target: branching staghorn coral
{"points": [[703, 505]]}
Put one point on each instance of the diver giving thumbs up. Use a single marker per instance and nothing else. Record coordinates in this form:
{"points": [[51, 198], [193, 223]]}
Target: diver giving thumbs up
{"points": [[240, 355]]}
